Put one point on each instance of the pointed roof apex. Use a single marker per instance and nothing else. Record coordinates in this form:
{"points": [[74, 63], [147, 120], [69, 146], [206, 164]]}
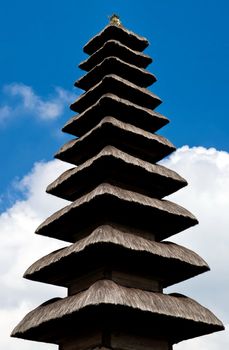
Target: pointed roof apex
{"points": [[115, 31], [115, 20]]}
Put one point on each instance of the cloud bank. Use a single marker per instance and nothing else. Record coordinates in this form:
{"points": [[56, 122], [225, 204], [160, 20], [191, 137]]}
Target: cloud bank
{"points": [[21, 99], [20, 247], [207, 196]]}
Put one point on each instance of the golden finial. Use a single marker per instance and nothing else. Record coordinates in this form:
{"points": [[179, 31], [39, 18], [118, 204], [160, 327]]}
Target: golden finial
{"points": [[115, 20]]}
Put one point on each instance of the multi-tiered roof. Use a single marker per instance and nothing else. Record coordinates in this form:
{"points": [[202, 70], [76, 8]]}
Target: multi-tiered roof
{"points": [[117, 265]]}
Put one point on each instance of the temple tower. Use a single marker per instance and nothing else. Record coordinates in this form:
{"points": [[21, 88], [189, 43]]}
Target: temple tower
{"points": [[118, 264]]}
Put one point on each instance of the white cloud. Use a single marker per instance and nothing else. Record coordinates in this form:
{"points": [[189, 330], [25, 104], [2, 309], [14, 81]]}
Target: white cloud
{"points": [[20, 247], [20, 99], [7, 323], [207, 196], [5, 112]]}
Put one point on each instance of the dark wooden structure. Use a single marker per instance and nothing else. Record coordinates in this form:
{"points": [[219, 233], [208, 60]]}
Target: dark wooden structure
{"points": [[118, 264]]}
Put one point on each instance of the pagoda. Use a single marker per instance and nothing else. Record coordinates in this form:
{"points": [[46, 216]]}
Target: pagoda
{"points": [[118, 263]]}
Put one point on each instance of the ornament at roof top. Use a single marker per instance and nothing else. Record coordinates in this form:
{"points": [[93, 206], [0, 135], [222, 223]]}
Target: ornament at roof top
{"points": [[115, 20]]}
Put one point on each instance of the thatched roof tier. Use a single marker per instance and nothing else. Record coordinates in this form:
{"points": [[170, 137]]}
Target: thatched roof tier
{"points": [[118, 86], [115, 48], [167, 262], [113, 65], [119, 108], [126, 137], [121, 34], [111, 204], [118, 168], [107, 303]]}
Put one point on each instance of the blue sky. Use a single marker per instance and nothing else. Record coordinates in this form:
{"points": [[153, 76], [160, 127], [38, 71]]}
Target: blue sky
{"points": [[41, 46]]}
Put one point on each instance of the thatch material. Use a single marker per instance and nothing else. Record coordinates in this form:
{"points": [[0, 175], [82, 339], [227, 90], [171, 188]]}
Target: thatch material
{"points": [[125, 137], [118, 86], [111, 165], [121, 34], [170, 262], [115, 48], [119, 108], [108, 203], [105, 292], [113, 65]]}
